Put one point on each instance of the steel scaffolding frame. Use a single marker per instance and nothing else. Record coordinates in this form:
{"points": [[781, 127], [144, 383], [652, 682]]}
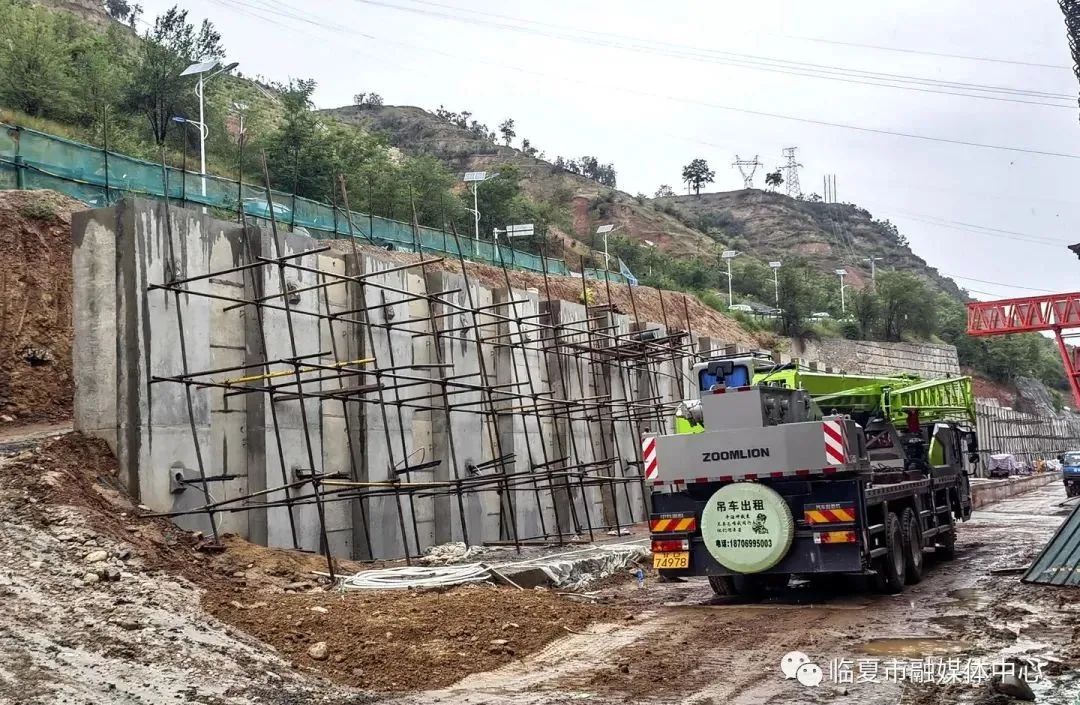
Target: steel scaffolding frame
{"points": [[587, 352]]}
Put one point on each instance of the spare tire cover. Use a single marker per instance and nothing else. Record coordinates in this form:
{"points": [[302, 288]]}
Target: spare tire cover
{"points": [[747, 527]]}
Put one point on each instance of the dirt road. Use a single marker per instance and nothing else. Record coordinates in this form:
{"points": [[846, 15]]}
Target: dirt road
{"points": [[686, 647]]}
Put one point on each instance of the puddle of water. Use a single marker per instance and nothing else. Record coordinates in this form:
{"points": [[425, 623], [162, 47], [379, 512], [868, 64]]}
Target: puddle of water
{"points": [[913, 647], [971, 598]]}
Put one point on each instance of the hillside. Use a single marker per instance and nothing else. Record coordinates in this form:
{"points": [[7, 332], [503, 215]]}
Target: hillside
{"points": [[827, 235], [418, 131], [763, 224]]}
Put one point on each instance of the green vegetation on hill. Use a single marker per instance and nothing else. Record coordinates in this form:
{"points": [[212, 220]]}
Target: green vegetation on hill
{"points": [[105, 85]]}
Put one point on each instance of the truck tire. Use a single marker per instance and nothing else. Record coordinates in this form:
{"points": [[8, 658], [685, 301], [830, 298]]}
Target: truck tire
{"points": [[946, 544], [722, 585], [914, 558], [891, 568]]}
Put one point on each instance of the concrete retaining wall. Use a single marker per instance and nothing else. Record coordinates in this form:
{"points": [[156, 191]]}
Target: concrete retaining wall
{"points": [[985, 492], [926, 360], [166, 434]]}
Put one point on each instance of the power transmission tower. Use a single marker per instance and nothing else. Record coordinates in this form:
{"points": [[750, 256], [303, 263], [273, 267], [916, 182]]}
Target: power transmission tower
{"points": [[747, 167], [791, 173], [1071, 10]]}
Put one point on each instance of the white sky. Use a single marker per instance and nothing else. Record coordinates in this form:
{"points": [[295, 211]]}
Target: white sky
{"points": [[643, 92]]}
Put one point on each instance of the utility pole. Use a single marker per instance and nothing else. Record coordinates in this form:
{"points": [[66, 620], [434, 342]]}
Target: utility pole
{"points": [[830, 188], [747, 167], [791, 173], [843, 303], [776, 280], [729, 255], [873, 267]]}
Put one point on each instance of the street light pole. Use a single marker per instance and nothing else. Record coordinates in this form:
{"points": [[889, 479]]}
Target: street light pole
{"points": [[476, 178], [843, 304], [729, 255], [776, 281], [201, 69], [476, 209], [604, 230], [202, 136]]}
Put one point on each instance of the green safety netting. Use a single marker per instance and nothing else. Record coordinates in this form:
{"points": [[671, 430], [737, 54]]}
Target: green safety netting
{"points": [[31, 159]]}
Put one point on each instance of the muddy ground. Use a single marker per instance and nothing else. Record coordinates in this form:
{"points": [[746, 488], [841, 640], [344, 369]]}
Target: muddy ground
{"points": [[684, 646], [157, 617]]}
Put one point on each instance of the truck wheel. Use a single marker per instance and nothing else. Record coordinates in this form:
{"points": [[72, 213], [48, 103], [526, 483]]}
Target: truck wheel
{"points": [[722, 585], [946, 545], [891, 567], [913, 555]]}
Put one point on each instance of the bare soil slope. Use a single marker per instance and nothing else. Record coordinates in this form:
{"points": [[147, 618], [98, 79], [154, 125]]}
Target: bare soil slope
{"points": [[35, 306]]}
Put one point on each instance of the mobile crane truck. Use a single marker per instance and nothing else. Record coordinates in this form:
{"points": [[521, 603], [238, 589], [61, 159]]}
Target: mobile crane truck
{"points": [[777, 472]]}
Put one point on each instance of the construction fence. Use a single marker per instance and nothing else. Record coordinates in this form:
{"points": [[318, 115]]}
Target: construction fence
{"points": [[30, 159]]}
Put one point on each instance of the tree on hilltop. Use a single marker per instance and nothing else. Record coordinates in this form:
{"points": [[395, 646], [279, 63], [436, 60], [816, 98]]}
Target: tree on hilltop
{"points": [[696, 174]]}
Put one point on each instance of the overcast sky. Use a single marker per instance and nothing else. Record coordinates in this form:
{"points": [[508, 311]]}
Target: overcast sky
{"points": [[650, 85]]}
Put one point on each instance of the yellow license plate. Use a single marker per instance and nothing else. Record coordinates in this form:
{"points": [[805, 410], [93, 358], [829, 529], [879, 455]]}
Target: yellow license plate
{"points": [[680, 559]]}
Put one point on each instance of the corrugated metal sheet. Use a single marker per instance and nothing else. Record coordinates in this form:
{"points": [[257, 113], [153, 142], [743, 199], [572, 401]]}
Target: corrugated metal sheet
{"points": [[1059, 562]]}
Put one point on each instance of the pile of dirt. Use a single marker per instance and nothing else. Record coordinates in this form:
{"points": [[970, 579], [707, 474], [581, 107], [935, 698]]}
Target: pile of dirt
{"points": [[675, 310], [385, 641], [35, 306], [408, 640]]}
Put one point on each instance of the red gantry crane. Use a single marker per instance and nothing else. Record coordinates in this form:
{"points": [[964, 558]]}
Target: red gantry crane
{"points": [[1033, 314]]}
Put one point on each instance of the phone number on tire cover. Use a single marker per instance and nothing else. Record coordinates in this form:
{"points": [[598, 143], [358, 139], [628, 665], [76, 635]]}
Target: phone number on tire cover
{"points": [[750, 543]]}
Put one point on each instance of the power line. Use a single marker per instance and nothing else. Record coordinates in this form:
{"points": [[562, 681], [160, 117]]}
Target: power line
{"points": [[904, 50], [984, 281], [715, 106], [753, 62], [984, 230], [692, 50]]}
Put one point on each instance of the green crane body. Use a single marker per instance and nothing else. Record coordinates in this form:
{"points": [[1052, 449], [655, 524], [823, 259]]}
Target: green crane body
{"points": [[892, 397]]}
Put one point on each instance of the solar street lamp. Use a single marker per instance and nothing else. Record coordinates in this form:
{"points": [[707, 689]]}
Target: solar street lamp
{"points": [[843, 305], [775, 265], [604, 230], [201, 69], [476, 178]]}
